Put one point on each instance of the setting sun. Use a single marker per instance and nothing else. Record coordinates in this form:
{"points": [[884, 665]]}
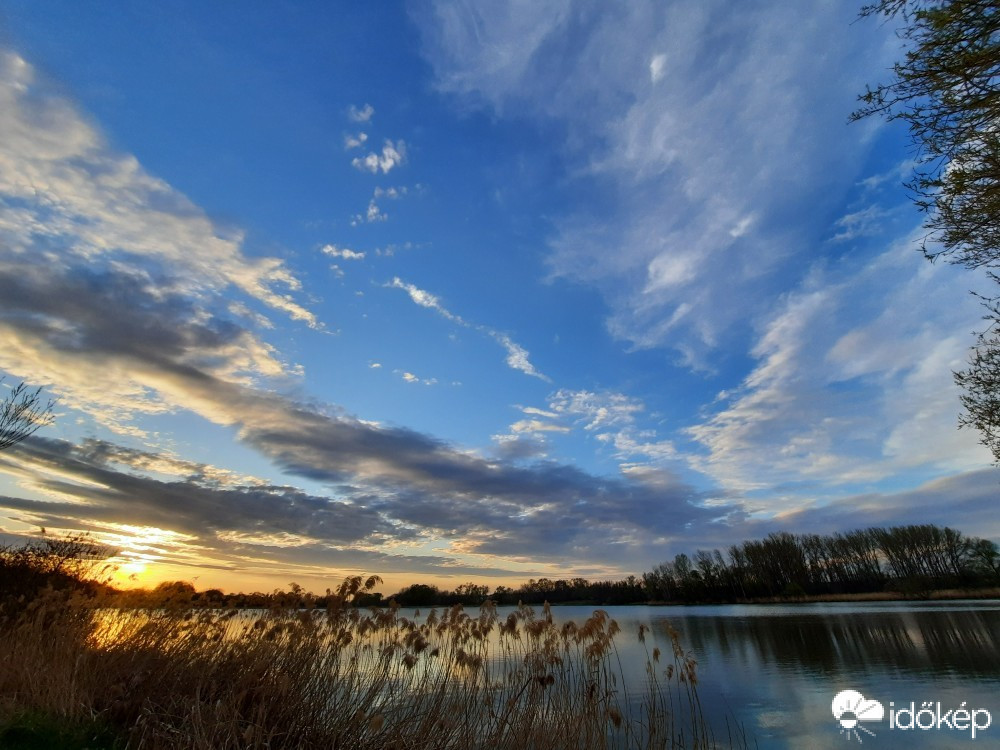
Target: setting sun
{"points": [[129, 572]]}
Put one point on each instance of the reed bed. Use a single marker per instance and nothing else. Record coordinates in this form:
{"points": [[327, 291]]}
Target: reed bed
{"points": [[341, 677]]}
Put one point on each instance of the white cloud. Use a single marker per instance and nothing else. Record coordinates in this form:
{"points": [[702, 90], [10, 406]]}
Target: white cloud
{"points": [[671, 270], [390, 250], [241, 310], [114, 349], [539, 412], [488, 47], [67, 193], [596, 410], [851, 386], [630, 444], [707, 181], [862, 223], [96, 251], [355, 141], [517, 356], [742, 226], [425, 299], [409, 377], [343, 253], [519, 446], [361, 115], [708, 188], [656, 67], [897, 174], [536, 425], [613, 420], [374, 213], [392, 155]]}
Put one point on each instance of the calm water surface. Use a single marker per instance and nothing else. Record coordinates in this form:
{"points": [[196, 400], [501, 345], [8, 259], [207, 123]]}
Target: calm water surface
{"points": [[776, 668]]}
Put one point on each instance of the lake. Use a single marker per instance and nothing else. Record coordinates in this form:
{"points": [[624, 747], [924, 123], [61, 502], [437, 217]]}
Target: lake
{"points": [[775, 669], [905, 674]]}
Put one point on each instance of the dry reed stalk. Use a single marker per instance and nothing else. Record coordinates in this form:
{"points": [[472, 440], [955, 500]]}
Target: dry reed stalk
{"points": [[341, 678]]}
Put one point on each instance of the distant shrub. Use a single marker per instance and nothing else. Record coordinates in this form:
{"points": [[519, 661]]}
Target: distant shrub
{"points": [[68, 565], [793, 591]]}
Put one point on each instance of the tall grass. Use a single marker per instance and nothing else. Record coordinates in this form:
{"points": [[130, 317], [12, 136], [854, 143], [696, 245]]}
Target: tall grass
{"points": [[340, 678]]}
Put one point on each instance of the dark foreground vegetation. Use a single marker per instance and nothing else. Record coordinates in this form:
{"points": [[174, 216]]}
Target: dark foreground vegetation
{"points": [[79, 671]]}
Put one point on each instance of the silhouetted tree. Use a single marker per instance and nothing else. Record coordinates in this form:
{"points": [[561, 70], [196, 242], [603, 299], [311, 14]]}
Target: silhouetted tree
{"points": [[21, 413], [69, 564], [985, 558], [418, 595], [980, 383], [913, 559], [172, 593]]}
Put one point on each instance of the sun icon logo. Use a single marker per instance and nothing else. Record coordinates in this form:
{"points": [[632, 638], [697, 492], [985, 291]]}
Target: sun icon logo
{"points": [[850, 708]]}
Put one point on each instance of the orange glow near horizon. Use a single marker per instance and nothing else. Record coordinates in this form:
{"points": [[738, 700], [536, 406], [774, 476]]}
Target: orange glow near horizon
{"points": [[134, 573], [129, 574], [146, 556]]}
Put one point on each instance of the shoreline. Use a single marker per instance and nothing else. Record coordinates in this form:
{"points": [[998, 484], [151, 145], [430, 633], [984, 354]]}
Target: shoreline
{"points": [[986, 594]]}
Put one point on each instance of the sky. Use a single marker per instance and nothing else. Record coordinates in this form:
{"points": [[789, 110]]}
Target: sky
{"points": [[467, 291]]}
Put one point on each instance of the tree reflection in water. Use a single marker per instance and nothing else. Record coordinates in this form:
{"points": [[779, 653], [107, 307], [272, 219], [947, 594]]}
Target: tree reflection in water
{"points": [[926, 640]]}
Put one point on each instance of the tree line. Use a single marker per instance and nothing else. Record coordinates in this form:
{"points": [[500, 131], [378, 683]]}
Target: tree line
{"points": [[911, 560], [560, 591], [908, 559]]}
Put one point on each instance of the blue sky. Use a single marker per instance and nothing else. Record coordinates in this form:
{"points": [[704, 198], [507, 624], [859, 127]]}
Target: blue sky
{"points": [[467, 291]]}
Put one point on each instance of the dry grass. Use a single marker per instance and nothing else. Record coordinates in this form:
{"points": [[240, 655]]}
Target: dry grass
{"points": [[340, 678]]}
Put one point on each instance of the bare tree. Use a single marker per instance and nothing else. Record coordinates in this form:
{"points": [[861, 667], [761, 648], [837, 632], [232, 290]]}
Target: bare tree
{"points": [[981, 382], [946, 89], [21, 413]]}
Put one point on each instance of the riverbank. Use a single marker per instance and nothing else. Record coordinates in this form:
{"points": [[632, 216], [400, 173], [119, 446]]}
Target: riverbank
{"points": [[992, 593]]}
